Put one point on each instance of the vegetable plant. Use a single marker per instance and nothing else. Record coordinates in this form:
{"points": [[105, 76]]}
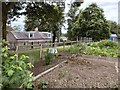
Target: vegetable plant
{"points": [[15, 73]]}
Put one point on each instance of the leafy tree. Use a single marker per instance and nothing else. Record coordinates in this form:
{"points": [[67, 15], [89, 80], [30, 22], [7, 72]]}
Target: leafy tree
{"points": [[96, 25], [44, 16], [114, 27], [92, 23], [72, 21], [9, 11]]}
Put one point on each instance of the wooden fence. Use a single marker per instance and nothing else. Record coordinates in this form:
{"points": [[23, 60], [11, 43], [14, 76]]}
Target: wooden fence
{"points": [[37, 45]]}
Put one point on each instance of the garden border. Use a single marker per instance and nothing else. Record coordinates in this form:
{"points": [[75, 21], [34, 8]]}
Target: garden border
{"points": [[45, 72]]}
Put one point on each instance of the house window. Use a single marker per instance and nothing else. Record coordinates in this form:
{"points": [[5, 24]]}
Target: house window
{"points": [[49, 35], [31, 35]]}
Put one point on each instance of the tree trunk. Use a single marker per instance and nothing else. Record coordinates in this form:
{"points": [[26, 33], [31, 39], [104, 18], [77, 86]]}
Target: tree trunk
{"points": [[4, 20], [5, 9], [54, 37], [4, 32]]}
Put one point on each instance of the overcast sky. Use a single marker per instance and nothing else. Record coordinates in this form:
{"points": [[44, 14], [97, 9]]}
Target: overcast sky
{"points": [[110, 8]]}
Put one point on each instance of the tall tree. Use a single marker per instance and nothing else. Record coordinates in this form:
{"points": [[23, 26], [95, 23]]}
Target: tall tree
{"points": [[97, 26], [72, 21], [92, 23], [114, 27], [45, 16], [9, 10]]}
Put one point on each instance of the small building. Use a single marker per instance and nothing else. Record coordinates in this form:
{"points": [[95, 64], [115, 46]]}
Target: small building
{"points": [[113, 37], [25, 37]]}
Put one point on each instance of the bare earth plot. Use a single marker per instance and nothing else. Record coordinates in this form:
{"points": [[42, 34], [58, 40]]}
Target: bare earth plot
{"points": [[84, 72]]}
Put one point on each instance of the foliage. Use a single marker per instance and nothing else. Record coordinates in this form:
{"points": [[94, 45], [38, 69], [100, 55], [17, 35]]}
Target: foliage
{"points": [[114, 27], [108, 44], [10, 10], [45, 16], [78, 48], [34, 55], [90, 22], [72, 21], [49, 57], [101, 48], [43, 84], [15, 73], [101, 52]]}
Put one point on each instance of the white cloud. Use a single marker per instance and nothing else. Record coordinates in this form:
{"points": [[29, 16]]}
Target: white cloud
{"points": [[110, 7]]}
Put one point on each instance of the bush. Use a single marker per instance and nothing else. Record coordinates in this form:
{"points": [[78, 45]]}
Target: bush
{"points": [[15, 73], [93, 44], [78, 48], [108, 44], [49, 57]]}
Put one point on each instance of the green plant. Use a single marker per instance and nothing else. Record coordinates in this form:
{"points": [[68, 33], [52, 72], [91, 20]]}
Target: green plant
{"points": [[43, 84], [78, 48], [74, 50], [108, 44], [15, 73], [49, 57]]}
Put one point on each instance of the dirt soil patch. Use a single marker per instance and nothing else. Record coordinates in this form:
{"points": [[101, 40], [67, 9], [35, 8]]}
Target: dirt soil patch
{"points": [[83, 72], [39, 66]]}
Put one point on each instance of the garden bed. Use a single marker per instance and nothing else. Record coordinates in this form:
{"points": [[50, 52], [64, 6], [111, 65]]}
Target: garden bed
{"points": [[80, 71], [39, 66]]}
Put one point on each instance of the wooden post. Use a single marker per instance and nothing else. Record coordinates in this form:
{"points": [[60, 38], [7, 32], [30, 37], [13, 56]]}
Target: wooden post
{"points": [[31, 45], [71, 43], [17, 52], [77, 40], [40, 51], [63, 45]]}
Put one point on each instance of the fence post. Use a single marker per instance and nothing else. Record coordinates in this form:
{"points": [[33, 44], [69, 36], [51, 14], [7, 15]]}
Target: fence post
{"points": [[71, 43], [63, 45], [17, 52], [40, 51]]}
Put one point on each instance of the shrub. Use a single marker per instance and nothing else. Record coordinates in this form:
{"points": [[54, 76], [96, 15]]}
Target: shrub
{"points": [[73, 50], [15, 73], [78, 48], [49, 57], [93, 44], [108, 44]]}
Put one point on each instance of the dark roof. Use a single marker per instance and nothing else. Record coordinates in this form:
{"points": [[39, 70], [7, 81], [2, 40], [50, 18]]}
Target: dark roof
{"points": [[25, 35]]}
